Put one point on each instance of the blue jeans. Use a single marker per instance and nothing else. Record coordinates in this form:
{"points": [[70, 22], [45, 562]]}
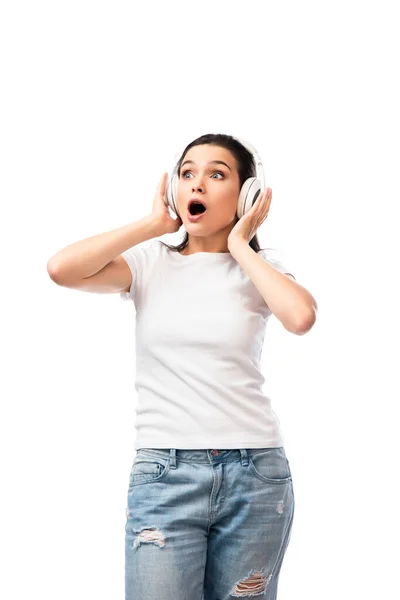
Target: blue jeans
{"points": [[207, 524]]}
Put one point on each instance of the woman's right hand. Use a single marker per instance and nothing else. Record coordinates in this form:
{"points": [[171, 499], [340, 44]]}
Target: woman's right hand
{"points": [[160, 212]]}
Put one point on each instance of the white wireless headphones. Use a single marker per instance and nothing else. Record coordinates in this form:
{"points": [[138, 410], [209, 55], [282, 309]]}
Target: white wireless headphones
{"points": [[249, 191]]}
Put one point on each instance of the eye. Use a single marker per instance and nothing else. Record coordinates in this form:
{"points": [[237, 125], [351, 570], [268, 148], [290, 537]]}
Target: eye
{"points": [[215, 172]]}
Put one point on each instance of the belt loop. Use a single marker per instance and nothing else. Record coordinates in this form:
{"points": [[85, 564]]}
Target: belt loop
{"points": [[245, 456], [172, 457]]}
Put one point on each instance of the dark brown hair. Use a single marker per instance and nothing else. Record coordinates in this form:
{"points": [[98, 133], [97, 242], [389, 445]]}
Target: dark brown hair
{"points": [[246, 169]]}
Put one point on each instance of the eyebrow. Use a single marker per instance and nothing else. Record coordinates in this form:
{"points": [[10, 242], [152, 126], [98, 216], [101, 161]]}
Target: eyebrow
{"points": [[215, 162]]}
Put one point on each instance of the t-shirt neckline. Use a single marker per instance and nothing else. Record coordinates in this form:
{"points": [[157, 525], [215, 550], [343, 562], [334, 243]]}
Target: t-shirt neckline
{"points": [[195, 256]]}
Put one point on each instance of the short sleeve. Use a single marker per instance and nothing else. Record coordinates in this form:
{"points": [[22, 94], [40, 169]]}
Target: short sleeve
{"points": [[277, 260], [131, 257], [139, 259]]}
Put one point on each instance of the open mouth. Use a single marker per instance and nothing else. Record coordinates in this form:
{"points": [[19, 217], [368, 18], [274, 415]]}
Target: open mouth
{"points": [[196, 208]]}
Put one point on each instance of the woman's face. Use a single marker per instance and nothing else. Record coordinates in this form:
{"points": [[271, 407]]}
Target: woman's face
{"points": [[214, 183]]}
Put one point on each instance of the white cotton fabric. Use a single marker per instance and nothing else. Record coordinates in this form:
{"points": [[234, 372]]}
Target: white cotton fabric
{"points": [[200, 327]]}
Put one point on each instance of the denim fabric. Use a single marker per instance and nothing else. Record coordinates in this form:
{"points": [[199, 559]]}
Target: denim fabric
{"points": [[207, 524]]}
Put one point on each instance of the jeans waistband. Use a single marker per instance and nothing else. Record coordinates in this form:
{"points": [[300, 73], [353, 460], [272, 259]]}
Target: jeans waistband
{"points": [[203, 456]]}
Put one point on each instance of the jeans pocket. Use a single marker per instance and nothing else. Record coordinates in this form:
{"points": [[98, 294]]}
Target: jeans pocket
{"points": [[147, 468], [270, 465]]}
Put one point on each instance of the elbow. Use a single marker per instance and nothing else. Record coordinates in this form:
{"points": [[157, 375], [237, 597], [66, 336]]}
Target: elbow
{"points": [[306, 323], [53, 272]]}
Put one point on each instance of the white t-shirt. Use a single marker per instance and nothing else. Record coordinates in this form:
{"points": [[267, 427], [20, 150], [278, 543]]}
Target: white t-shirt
{"points": [[200, 325]]}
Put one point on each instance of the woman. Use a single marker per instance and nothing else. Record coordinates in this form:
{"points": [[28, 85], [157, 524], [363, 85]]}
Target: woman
{"points": [[210, 500]]}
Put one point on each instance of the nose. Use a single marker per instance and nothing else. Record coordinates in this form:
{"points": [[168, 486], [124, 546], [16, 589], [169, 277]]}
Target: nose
{"points": [[196, 185]]}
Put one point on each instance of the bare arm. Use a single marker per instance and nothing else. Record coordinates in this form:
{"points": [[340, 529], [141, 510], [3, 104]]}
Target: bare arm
{"points": [[94, 263]]}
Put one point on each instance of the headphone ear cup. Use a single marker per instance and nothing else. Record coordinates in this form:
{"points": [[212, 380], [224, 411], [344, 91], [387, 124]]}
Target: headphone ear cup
{"points": [[249, 193], [170, 196], [171, 190]]}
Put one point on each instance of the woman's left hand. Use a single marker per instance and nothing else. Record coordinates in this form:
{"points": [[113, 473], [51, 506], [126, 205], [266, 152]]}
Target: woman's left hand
{"points": [[246, 228]]}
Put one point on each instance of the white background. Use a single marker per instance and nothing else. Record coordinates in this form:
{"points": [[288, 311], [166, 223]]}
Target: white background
{"points": [[96, 100]]}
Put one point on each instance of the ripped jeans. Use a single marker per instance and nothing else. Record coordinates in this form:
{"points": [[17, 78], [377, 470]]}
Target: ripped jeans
{"points": [[207, 524]]}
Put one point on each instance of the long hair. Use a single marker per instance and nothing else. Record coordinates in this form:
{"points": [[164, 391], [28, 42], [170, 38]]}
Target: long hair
{"points": [[246, 169]]}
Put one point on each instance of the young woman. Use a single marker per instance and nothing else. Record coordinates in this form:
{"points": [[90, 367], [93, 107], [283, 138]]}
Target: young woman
{"points": [[210, 499]]}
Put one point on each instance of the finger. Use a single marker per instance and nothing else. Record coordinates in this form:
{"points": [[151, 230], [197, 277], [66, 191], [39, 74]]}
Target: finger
{"points": [[258, 200], [267, 193], [162, 183], [268, 197]]}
